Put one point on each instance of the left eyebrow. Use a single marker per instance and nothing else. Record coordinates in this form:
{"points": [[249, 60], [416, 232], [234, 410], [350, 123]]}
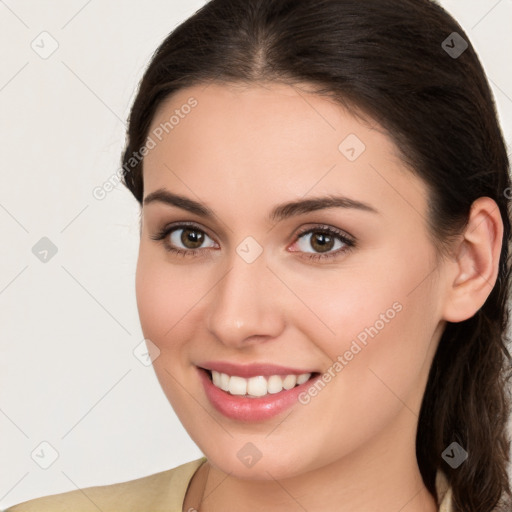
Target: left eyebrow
{"points": [[279, 213], [286, 210]]}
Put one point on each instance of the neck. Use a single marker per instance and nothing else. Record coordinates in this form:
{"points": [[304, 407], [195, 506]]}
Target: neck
{"points": [[381, 475]]}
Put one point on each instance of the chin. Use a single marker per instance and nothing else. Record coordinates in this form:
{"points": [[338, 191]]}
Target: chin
{"points": [[243, 460]]}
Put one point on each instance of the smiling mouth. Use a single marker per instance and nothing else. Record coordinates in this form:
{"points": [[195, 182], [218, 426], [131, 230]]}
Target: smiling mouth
{"points": [[259, 386]]}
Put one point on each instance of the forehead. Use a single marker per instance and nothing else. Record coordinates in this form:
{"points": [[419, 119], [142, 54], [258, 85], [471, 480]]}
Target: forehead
{"points": [[271, 143]]}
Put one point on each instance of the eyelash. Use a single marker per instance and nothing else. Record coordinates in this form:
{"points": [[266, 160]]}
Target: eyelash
{"points": [[349, 243]]}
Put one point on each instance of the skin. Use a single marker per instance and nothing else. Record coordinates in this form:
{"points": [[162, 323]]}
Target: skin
{"points": [[241, 151]]}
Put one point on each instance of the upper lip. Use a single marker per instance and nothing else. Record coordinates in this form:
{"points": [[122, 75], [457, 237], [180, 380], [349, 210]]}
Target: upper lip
{"points": [[251, 370]]}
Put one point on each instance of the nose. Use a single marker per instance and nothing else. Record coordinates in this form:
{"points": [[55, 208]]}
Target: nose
{"points": [[244, 305]]}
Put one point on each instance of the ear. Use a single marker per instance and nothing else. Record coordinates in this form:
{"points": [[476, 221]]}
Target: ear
{"points": [[473, 272]]}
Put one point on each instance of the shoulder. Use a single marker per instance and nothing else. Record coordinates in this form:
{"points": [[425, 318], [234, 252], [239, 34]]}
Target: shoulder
{"points": [[159, 491]]}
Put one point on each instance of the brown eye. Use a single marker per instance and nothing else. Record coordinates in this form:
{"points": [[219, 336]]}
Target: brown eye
{"points": [[192, 238], [184, 239], [321, 242]]}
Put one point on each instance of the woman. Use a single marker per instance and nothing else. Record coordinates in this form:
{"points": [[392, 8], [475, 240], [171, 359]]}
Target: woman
{"points": [[323, 267]]}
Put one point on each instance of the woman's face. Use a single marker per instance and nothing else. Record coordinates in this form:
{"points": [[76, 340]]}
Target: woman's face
{"points": [[348, 290]]}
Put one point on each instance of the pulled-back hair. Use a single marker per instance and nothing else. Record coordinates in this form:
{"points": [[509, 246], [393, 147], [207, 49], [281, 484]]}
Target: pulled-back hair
{"points": [[391, 60]]}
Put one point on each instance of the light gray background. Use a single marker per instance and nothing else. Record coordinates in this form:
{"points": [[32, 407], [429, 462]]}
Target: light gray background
{"points": [[68, 327]]}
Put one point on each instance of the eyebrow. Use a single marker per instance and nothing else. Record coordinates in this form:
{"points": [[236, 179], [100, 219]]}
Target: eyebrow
{"points": [[279, 213]]}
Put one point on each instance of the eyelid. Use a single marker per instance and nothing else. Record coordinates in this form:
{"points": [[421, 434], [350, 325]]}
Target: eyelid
{"points": [[164, 233], [347, 239], [180, 224], [328, 228], [349, 242]]}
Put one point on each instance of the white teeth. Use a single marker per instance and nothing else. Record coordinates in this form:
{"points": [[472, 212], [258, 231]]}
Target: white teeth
{"points": [[289, 381], [216, 379], [237, 385], [257, 386], [224, 382], [275, 384], [303, 378]]}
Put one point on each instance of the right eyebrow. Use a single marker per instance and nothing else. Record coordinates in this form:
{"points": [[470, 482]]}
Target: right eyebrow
{"points": [[164, 196]]}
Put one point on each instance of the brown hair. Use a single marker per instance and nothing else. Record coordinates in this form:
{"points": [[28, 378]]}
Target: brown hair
{"points": [[394, 61]]}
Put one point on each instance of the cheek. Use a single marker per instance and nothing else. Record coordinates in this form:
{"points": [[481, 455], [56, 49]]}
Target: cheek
{"points": [[165, 295], [377, 357], [375, 323], [165, 300]]}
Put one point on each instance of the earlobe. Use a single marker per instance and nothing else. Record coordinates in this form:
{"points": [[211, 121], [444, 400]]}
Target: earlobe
{"points": [[474, 271]]}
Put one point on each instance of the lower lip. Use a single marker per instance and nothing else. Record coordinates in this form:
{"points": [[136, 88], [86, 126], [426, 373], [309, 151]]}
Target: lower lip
{"points": [[251, 409]]}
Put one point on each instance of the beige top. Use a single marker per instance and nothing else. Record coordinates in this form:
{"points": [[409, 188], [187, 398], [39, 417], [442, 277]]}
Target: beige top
{"points": [[160, 492]]}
